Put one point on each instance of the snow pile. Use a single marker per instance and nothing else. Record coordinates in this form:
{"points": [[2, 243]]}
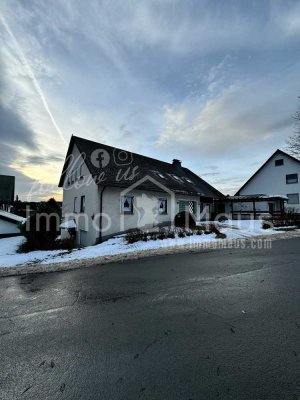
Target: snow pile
{"points": [[233, 230]]}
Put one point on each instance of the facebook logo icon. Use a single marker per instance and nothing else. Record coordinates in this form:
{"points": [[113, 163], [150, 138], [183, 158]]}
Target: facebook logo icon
{"points": [[100, 158]]}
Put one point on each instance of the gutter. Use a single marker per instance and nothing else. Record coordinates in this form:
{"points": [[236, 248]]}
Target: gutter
{"points": [[100, 219]]}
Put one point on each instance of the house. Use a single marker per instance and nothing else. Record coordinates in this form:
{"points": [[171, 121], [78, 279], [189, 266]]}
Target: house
{"points": [[9, 224], [277, 178], [108, 191]]}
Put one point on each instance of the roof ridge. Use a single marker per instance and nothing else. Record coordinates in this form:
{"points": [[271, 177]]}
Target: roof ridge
{"points": [[262, 166], [118, 148]]}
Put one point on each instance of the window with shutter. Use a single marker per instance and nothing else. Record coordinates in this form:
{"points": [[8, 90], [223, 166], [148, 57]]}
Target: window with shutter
{"points": [[127, 204], [162, 208]]}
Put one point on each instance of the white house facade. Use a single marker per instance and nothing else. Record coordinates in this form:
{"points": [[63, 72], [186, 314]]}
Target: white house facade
{"points": [[107, 191], [278, 176]]}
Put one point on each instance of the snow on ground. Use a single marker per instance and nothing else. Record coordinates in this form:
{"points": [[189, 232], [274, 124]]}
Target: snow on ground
{"points": [[233, 230], [10, 258]]}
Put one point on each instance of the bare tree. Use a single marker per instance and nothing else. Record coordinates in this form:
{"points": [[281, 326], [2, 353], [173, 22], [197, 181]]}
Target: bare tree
{"points": [[293, 142]]}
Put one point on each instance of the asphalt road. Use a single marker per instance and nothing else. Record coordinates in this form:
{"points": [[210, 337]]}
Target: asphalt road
{"points": [[217, 324]]}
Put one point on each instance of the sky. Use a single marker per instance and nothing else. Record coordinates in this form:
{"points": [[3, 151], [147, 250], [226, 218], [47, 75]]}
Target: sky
{"points": [[212, 83]]}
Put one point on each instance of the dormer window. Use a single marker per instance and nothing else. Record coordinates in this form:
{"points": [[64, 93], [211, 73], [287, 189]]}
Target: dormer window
{"points": [[279, 162], [176, 178], [160, 175], [188, 180]]}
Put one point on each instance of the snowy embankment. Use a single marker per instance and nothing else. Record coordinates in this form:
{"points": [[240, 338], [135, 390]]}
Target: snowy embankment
{"points": [[117, 246], [10, 258]]}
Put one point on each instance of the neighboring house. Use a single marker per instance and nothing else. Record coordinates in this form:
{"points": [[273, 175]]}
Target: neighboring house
{"points": [[277, 177], [9, 224], [107, 191]]}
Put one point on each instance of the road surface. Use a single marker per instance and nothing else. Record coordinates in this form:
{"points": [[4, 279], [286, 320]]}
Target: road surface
{"points": [[216, 324]]}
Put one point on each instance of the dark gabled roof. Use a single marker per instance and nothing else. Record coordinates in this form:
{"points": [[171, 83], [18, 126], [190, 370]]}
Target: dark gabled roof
{"points": [[278, 151], [145, 166]]}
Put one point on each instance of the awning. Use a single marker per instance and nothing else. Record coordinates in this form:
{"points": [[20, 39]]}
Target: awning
{"points": [[70, 224]]}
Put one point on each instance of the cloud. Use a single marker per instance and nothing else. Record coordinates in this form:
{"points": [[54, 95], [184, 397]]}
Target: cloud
{"points": [[14, 130], [205, 81], [242, 116]]}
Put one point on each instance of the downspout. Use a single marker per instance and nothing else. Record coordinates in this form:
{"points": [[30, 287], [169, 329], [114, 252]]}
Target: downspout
{"points": [[101, 209], [200, 207]]}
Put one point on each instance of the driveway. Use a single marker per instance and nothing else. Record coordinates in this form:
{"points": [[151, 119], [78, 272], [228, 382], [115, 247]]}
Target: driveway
{"points": [[214, 324]]}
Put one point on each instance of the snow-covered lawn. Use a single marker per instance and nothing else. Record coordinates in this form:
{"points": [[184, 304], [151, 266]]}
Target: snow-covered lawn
{"points": [[232, 229]]}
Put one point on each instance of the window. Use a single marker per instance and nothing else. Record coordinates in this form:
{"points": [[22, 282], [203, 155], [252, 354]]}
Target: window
{"points": [[69, 180], [75, 205], [192, 207], [188, 180], [162, 206], [75, 175], [279, 162], [292, 178], [127, 204], [293, 198], [82, 204], [81, 170], [176, 178], [160, 175]]}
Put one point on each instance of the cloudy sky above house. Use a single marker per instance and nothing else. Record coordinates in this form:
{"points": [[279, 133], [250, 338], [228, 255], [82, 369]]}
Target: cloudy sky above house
{"points": [[212, 83]]}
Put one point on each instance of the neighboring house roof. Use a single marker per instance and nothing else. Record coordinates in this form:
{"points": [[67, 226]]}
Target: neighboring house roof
{"points": [[7, 216], [256, 197], [277, 152], [7, 188], [163, 172]]}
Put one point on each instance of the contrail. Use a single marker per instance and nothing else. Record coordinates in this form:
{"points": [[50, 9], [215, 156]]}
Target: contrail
{"points": [[32, 76]]}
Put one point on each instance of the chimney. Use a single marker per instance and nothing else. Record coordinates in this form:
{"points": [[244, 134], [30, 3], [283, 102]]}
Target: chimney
{"points": [[176, 163]]}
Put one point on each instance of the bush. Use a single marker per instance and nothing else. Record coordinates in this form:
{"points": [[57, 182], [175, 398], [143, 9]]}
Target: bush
{"points": [[221, 236], [134, 236], [66, 244], [42, 228], [222, 218], [266, 225], [162, 235], [289, 218], [184, 219], [171, 235], [61, 244]]}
